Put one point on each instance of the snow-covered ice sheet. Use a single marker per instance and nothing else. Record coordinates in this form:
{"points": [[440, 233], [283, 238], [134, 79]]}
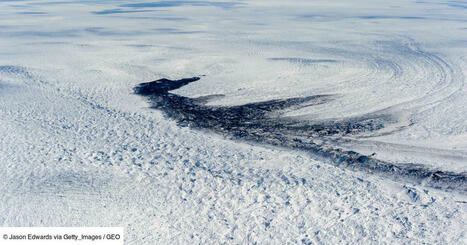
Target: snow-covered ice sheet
{"points": [[78, 148]]}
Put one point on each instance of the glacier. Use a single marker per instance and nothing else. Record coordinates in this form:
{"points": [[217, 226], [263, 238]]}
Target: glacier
{"points": [[78, 147]]}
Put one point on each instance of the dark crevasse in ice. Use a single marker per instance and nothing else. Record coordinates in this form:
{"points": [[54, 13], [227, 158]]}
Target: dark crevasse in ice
{"points": [[262, 122]]}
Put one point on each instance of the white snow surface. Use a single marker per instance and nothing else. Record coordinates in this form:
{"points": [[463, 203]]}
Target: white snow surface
{"points": [[78, 148]]}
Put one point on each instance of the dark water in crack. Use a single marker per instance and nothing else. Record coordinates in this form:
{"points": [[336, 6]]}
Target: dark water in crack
{"points": [[262, 122]]}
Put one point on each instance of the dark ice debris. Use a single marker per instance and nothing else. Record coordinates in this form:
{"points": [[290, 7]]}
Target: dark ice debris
{"points": [[262, 122]]}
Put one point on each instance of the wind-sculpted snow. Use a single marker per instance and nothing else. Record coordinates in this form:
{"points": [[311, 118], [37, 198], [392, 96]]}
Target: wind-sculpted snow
{"points": [[262, 122]]}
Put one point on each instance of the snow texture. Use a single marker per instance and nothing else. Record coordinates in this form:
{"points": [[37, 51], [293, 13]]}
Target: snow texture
{"points": [[79, 148]]}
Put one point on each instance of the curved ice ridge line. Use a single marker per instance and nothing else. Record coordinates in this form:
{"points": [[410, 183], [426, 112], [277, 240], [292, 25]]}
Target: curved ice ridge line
{"points": [[399, 63], [448, 83], [261, 122]]}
